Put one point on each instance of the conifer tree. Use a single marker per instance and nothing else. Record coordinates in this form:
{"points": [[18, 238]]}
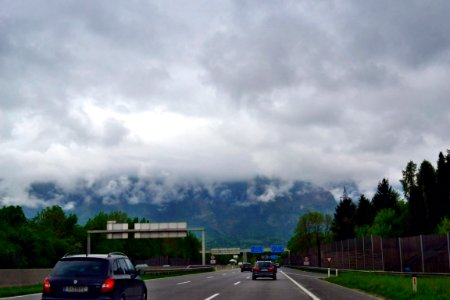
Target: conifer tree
{"points": [[364, 214], [443, 182], [343, 225], [426, 181], [385, 197], [416, 202]]}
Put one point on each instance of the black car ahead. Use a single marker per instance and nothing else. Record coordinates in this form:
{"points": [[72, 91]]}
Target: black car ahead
{"points": [[246, 267], [264, 269], [94, 276]]}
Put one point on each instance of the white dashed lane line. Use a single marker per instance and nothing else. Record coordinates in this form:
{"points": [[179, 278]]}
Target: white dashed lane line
{"points": [[213, 296], [180, 283]]}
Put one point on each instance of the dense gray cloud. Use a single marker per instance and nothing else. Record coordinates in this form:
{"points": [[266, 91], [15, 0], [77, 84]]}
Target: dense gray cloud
{"points": [[311, 90]]}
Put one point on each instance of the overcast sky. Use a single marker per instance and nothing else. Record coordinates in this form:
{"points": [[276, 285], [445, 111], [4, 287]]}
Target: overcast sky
{"points": [[219, 90]]}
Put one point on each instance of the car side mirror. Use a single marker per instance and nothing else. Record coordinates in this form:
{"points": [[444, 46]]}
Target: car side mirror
{"points": [[140, 272]]}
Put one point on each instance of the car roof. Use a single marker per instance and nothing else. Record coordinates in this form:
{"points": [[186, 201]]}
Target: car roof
{"points": [[104, 256]]}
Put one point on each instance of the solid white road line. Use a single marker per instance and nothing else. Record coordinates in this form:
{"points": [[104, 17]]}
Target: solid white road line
{"points": [[301, 287], [180, 283], [23, 296], [213, 296]]}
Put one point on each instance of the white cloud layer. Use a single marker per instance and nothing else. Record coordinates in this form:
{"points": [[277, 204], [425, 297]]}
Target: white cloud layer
{"points": [[311, 90]]}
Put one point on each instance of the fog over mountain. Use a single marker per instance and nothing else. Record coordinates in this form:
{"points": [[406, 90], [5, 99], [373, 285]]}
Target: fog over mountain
{"points": [[261, 211]]}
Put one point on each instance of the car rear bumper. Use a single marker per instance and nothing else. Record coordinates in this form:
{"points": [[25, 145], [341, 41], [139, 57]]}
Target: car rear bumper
{"points": [[263, 274], [59, 298]]}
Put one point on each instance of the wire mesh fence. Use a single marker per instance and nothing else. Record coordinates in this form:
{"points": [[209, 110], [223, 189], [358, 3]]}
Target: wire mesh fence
{"points": [[423, 253]]}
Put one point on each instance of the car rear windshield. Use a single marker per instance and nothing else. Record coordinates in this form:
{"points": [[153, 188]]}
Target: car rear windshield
{"points": [[81, 268], [264, 264]]}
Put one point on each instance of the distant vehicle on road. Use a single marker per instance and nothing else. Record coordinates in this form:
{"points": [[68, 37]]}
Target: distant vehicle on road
{"points": [[264, 269], [246, 267], [94, 276]]}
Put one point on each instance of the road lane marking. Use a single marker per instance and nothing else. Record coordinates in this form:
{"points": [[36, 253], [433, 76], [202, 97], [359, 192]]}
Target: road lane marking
{"points": [[301, 287], [213, 296], [236, 283], [180, 283], [210, 277], [22, 296]]}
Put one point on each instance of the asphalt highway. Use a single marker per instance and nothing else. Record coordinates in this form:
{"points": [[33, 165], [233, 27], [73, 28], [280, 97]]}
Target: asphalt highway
{"points": [[236, 285]]}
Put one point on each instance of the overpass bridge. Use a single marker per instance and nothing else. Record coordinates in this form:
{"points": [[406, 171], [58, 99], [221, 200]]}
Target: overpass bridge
{"points": [[254, 250]]}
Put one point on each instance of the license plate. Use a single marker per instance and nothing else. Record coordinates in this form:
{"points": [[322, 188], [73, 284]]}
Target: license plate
{"points": [[264, 270], [75, 289]]}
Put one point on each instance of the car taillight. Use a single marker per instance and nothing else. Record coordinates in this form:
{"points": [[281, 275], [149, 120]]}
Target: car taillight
{"points": [[108, 285], [271, 269], [256, 268], [46, 286]]}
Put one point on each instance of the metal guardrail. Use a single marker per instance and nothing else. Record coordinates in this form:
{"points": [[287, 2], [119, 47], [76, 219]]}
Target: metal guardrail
{"points": [[22, 277]]}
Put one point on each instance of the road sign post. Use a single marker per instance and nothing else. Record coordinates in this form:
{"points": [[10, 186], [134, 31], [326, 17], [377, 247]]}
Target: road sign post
{"points": [[329, 264]]}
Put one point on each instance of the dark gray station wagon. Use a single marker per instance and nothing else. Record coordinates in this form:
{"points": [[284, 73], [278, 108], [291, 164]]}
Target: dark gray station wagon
{"points": [[264, 269], [94, 276]]}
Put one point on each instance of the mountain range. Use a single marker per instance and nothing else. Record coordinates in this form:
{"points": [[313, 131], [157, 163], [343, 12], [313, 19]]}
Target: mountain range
{"points": [[261, 211]]}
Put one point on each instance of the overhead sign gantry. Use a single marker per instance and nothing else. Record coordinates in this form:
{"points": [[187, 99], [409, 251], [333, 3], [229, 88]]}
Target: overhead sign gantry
{"points": [[147, 230]]}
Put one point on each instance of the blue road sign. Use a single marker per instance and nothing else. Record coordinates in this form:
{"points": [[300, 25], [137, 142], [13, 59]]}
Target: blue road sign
{"points": [[277, 249], [274, 256], [257, 249]]}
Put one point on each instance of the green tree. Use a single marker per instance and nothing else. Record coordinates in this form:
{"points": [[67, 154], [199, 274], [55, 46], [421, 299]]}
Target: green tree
{"points": [[12, 216], [52, 234], [416, 202], [99, 242], [312, 229], [409, 180], [363, 230], [365, 213], [443, 185], [54, 219], [385, 197], [387, 224], [12, 224], [343, 225], [444, 226], [426, 182]]}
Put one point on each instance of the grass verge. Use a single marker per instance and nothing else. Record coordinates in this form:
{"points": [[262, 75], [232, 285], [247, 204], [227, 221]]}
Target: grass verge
{"points": [[396, 286], [20, 290]]}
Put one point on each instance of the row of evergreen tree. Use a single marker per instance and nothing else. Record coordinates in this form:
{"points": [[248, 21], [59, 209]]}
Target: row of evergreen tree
{"points": [[425, 209], [39, 242]]}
